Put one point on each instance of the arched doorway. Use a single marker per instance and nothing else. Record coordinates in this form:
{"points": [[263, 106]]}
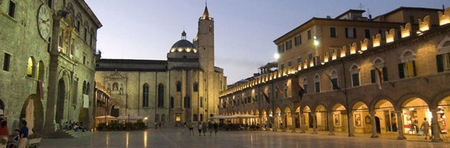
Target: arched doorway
{"points": [[360, 111], [288, 118], [321, 118], [60, 101], [306, 118], [339, 113], [32, 111], [384, 111], [414, 111]]}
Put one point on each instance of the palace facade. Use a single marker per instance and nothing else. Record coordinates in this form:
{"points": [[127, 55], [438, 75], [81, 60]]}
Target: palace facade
{"points": [[353, 74], [48, 63]]}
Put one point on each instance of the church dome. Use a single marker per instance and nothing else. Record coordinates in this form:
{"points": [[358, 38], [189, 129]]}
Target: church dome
{"points": [[183, 45]]}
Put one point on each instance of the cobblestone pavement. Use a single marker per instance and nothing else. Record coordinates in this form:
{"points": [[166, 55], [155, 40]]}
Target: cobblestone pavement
{"points": [[174, 138]]}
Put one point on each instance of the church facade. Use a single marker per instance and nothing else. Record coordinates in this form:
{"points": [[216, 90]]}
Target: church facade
{"points": [[183, 88]]}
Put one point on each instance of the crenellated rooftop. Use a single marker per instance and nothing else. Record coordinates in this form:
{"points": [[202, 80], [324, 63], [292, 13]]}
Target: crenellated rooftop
{"points": [[366, 44]]}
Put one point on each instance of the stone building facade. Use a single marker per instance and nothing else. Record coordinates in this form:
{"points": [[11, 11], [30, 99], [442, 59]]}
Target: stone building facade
{"points": [[48, 58], [182, 89], [384, 84]]}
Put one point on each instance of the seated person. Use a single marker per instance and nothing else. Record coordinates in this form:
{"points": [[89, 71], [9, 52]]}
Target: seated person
{"points": [[12, 142]]}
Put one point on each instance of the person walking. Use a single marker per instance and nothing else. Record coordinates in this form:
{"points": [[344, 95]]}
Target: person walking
{"points": [[191, 129], [425, 128], [200, 129], [210, 128], [156, 125], [215, 128], [23, 135], [182, 128], [204, 126]]}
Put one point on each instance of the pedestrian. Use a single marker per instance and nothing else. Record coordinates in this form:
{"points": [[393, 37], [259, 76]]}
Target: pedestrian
{"points": [[23, 135], [210, 128], [204, 126], [425, 128], [4, 129], [191, 129], [215, 128], [200, 129], [156, 125], [182, 128]]}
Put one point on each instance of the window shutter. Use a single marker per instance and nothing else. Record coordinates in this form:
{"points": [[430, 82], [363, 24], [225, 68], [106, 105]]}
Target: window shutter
{"points": [[401, 71], [385, 74], [354, 33], [372, 76], [439, 62], [414, 67]]}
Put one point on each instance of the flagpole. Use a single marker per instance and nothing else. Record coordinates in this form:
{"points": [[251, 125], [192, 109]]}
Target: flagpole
{"points": [[346, 101]]}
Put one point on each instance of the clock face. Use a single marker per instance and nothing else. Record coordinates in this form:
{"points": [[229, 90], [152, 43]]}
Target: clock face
{"points": [[44, 21]]}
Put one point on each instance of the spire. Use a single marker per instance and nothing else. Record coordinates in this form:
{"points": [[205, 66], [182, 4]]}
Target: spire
{"points": [[206, 13], [183, 35]]}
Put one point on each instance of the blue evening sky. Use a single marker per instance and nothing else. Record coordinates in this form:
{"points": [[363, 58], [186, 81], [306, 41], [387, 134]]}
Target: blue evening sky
{"points": [[244, 29]]}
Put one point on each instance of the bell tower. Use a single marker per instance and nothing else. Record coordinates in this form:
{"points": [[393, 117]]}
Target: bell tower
{"points": [[205, 41]]}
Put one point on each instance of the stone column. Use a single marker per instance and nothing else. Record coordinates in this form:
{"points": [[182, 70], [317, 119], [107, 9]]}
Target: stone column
{"points": [[373, 124], [435, 126], [313, 115], [293, 123], [302, 123], [401, 136], [330, 122], [350, 123], [49, 125]]}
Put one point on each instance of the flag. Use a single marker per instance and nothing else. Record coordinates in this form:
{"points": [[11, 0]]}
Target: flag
{"points": [[265, 96], [334, 84], [301, 91], [279, 90], [380, 77]]}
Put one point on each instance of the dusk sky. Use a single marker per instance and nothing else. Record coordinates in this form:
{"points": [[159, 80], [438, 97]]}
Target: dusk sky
{"points": [[244, 29]]}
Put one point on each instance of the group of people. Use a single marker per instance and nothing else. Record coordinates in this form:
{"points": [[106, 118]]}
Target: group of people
{"points": [[74, 126], [18, 138], [202, 127]]}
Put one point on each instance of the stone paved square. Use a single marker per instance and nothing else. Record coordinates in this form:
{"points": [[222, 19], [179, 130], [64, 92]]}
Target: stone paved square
{"points": [[173, 138]]}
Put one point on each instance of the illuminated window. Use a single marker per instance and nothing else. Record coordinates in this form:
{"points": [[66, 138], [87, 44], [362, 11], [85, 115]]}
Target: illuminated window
{"points": [[407, 68], [178, 117], [31, 67]]}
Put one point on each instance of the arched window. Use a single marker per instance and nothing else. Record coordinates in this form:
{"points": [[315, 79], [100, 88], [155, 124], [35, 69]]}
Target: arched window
{"points": [[160, 95], [145, 95], [195, 87], [178, 86], [354, 71], [195, 117], [407, 68], [31, 68], [172, 102], [115, 86], [187, 102], [41, 71], [305, 85], [334, 80], [317, 83], [84, 87], [443, 58]]}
